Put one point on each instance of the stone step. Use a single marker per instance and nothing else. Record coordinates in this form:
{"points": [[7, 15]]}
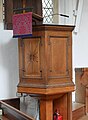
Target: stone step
{"points": [[78, 110]]}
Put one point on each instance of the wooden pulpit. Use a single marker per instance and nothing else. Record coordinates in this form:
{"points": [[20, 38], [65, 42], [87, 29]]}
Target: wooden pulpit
{"points": [[45, 67], [45, 63]]}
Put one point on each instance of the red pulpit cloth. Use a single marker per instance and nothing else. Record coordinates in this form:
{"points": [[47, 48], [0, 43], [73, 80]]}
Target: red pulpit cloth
{"points": [[22, 25]]}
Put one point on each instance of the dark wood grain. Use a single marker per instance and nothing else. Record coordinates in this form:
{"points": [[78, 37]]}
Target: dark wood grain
{"points": [[10, 5]]}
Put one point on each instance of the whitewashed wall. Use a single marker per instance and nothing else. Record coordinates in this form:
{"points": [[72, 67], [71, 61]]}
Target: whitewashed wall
{"points": [[80, 39], [8, 62]]}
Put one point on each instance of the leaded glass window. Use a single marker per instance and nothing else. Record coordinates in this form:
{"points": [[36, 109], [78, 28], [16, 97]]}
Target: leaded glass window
{"points": [[47, 11], [3, 9]]}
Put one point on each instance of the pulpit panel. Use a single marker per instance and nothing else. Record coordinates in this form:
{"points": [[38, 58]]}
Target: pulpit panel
{"points": [[58, 57], [31, 57]]}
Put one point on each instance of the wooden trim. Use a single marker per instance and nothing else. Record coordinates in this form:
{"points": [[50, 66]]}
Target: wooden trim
{"points": [[48, 91], [53, 27]]}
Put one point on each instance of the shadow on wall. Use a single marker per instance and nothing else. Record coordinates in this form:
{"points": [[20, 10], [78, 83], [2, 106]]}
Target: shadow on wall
{"points": [[8, 65]]}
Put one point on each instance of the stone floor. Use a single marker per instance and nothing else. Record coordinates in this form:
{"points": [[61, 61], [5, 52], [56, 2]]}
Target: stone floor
{"points": [[84, 118]]}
